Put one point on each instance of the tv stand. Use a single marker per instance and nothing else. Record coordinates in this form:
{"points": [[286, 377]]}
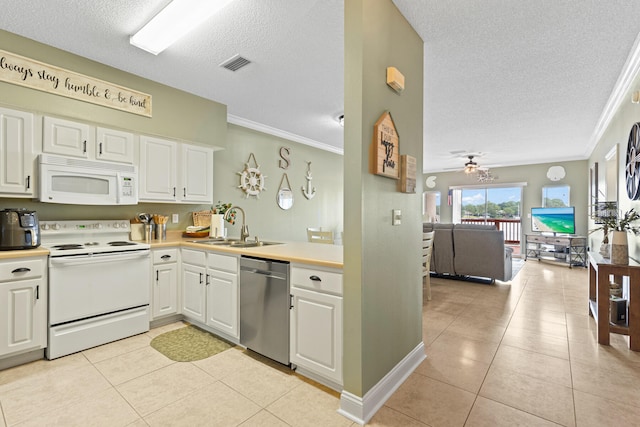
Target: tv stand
{"points": [[565, 250]]}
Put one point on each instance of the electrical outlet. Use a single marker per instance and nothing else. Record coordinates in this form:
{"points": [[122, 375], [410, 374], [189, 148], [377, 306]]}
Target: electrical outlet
{"points": [[397, 217], [175, 218]]}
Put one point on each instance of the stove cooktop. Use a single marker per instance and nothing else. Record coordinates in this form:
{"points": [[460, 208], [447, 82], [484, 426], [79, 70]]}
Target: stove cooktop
{"points": [[65, 238]]}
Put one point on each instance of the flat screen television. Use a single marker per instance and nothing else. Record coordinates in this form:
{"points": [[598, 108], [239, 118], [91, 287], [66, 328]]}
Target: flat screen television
{"points": [[554, 220]]}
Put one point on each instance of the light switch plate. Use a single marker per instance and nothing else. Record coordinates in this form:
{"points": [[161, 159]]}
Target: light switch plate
{"points": [[175, 218], [397, 217]]}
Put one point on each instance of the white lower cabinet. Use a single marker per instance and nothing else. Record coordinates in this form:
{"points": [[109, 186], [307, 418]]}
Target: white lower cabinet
{"points": [[316, 322], [210, 290], [164, 289], [23, 305]]}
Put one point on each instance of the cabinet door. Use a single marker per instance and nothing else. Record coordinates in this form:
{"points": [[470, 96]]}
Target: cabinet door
{"points": [[157, 169], [316, 333], [193, 292], [196, 174], [23, 316], [114, 145], [67, 138], [17, 154], [165, 290], [222, 302]]}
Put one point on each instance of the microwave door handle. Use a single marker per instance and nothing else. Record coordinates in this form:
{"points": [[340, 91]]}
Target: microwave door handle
{"points": [[118, 188]]}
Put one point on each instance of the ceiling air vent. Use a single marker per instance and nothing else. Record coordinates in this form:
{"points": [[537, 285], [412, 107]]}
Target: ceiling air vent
{"points": [[235, 63]]}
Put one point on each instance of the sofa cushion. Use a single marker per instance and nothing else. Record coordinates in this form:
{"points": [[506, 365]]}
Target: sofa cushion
{"points": [[481, 253]]}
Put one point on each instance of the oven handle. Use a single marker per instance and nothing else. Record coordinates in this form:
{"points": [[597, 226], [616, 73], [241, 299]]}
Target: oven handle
{"points": [[98, 258]]}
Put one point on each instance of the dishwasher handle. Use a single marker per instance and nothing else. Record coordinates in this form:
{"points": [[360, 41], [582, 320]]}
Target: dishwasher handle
{"points": [[266, 273]]}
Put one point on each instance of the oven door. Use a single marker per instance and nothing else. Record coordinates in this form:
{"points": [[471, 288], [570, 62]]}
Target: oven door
{"points": [[84, 286]]}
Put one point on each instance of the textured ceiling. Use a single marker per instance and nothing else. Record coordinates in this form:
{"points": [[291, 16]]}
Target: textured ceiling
{"points": [[518, 81]]}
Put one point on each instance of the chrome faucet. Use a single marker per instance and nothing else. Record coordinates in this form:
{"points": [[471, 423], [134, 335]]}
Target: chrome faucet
{"points": [[244, 230]]}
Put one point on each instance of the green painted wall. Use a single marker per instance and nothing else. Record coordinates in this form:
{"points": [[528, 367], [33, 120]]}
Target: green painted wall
{"points": [[264, 217], [616, 137], [382, 273], [535, 178], [176, 114]]}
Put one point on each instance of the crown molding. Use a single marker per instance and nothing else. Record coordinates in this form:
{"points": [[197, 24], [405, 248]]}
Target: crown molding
{"points": [[620, 89], [282, 134]]}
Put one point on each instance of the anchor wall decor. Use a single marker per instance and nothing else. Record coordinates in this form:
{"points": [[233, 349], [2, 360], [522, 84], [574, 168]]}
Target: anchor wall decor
{"points": [[309, 192]]}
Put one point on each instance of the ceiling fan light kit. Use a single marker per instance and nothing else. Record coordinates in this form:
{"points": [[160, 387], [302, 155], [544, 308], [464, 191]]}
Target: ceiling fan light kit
{"points": [[470, 166], [173, 22]]}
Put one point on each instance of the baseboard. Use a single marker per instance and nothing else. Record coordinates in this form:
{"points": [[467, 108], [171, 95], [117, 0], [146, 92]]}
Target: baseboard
{"points": [[362, 409], [21, 359]]}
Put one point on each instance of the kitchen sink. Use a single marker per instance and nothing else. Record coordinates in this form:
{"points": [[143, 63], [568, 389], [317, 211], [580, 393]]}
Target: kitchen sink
{"points": [[235, 243]]}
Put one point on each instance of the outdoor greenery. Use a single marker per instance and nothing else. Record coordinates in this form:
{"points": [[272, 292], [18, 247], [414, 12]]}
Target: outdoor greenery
{"points": [[494, 210]]}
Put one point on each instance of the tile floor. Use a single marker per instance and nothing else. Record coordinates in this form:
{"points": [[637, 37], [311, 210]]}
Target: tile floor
{"points": [[519, 353]]}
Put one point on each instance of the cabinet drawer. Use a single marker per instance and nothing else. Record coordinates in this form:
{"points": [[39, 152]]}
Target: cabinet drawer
{"points": [[194, 257], [536, 239], [316, 280], [558, 241], [21, 269], [223, 262], [164, 256]]}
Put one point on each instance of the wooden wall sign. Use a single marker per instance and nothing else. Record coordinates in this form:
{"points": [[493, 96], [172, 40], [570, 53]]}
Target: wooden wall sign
{"points": [[408, 174], [385, 148], [37, 75]]}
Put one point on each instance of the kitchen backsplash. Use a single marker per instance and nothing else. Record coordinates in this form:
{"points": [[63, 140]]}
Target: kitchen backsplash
{"points": [[51, 211]]}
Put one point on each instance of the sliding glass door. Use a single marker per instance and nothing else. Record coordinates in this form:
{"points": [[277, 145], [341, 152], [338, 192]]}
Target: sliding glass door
{"points": [[499, 206]]}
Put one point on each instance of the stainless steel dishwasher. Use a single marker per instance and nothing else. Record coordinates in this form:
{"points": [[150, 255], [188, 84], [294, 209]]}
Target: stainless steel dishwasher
{"points": [[264, 307]]}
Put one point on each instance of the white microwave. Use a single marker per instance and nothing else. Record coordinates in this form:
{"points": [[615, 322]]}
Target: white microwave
{"points": [[86, 182]]}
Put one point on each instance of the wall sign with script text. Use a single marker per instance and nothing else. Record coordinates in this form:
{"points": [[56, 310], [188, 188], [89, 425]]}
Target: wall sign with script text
{"points": [[37, 75], [385, 148]]}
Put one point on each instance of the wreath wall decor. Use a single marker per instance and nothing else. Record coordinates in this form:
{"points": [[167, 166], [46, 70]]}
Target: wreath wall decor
{"points": [[251, 179]]}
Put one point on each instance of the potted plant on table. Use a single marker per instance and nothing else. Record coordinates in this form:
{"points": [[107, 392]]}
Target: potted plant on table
{"points": [[620, 224]]}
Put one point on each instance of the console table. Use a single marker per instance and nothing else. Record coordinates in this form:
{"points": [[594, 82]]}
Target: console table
{"points": [[571, 250], [599, 271]]}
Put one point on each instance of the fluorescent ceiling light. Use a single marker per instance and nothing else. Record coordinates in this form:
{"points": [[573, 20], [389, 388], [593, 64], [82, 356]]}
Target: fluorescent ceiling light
{"points": [[173, 22]]}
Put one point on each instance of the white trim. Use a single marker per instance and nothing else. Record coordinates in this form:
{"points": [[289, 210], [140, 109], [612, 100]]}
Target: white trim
{"points": [[282, 134], [500, 185], [361, 410], [623, 84]]}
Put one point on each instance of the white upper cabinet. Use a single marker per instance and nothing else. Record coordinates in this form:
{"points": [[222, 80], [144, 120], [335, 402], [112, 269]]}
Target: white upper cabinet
{"points": [[17, 152], [157, 173], [69, 138], [166, 177], [114, 145], [197, 173]]}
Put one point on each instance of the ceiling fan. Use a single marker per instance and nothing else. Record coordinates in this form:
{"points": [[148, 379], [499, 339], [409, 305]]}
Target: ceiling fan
{"points": [[470, 166]]}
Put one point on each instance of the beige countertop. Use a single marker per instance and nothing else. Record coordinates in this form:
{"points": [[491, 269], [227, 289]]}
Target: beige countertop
{"points": [[300, 252], [39, 251]]}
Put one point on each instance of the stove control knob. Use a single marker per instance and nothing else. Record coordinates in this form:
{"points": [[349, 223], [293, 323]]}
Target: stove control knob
{"points": [[116, 225], [97, 226], [124, 225], [45, 226], [56, 226]]}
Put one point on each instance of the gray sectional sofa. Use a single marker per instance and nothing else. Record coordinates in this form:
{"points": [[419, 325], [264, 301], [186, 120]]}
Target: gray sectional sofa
{"points": [[469, 250]]}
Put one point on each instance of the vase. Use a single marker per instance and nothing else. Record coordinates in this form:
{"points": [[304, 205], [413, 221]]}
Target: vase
{"points": [[619, 248]]}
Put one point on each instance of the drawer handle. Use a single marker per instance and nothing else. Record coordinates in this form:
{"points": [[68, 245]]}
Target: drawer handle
{"points": [[21, 270], [315, 278], [165, 257]]}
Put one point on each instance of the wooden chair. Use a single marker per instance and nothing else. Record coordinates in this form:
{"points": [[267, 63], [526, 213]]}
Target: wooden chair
{"points": [[427, 248], [318, 236]]}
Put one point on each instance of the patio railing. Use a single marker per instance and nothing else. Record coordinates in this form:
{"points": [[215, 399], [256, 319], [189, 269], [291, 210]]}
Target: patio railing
{"points": [[510, 227]]}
